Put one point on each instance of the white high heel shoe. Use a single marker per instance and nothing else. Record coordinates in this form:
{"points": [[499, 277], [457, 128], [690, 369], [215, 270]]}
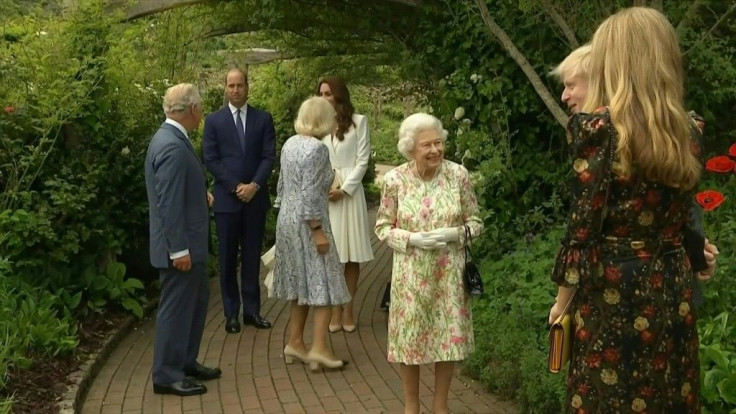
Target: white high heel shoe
{"points": [[316, 360], [291, 353]]}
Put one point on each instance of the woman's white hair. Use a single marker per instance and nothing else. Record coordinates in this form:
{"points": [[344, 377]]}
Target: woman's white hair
{"points": [[179, 98], [413, 125], [316, 118]]}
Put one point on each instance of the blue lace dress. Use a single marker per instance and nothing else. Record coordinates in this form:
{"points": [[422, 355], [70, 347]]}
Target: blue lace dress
{"points": [[300, 273]]}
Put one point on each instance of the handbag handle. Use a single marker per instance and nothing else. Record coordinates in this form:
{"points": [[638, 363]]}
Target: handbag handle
{"points": [[468, 240]]}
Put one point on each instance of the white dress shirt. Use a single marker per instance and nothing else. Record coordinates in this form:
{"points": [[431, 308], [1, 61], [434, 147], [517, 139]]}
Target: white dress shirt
{"points": [[243, 113]]}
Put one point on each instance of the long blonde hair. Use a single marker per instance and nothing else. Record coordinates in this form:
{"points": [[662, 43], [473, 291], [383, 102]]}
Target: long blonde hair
{"points": [[636, 70]]}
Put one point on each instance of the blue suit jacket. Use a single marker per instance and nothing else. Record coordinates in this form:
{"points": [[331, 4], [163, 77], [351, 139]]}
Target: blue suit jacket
{"points": [[177, 198], [225, 159]]}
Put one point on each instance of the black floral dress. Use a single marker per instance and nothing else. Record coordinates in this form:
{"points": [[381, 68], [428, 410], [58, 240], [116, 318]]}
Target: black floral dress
{"points": [[635, 347]]}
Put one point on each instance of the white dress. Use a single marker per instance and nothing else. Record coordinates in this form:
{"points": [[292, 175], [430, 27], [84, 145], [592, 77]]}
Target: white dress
{"points": [[349, 216]]}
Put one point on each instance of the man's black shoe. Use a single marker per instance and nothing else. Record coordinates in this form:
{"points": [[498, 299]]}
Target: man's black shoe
{"points": [[183, 388], [203, 373], [232, 325], [257, 321]]}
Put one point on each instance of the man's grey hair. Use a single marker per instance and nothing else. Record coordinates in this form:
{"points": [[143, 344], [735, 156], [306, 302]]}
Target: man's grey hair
{"points": [[180, 97], [413, 125]]}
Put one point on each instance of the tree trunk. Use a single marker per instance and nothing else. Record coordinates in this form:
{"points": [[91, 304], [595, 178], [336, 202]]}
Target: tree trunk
{"points": [[562, 24], [549, 101]]}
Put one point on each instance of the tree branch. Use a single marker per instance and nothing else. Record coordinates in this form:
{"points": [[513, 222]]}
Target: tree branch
{"points": [[720, 20], [562, 24], [691, 11], [520, 59]]}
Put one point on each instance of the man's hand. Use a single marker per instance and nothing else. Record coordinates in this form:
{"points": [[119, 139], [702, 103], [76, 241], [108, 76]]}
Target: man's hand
{"points": [[210, 199], [335, 195], [245, 192], [183, 263], [711, 254]]}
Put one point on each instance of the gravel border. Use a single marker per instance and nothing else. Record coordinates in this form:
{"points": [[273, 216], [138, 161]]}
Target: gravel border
{"points": [[81, 379]]}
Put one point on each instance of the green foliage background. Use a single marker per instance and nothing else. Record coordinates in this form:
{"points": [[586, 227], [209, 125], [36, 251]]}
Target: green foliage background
{"points": [[85, 87]]}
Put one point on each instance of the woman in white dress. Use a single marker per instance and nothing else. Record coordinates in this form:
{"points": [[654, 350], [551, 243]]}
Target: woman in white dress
{"points": [[350, 149]]}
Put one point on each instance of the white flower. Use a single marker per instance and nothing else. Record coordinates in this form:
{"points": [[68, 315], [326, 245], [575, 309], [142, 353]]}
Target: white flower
{"points": [[460, 131], [41, 33], [576, 401], [474, 78], [609, 376], [125, 151], [641, 323], [638, 405], [611, 296], [459, 112]]}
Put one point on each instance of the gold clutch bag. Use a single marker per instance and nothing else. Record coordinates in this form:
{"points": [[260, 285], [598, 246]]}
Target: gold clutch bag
{"points": [[560, 340], [336, 180]]}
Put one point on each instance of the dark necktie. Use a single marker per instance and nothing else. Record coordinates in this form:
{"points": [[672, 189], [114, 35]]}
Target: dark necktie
{"points": [[241, 130]]}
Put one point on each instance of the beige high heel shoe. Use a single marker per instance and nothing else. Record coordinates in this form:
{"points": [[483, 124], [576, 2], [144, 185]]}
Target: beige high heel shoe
{"points": [[316, 360], [291, 353]]}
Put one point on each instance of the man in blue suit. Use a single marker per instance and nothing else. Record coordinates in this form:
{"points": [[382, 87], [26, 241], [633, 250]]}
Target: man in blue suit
{"points": [[239, 148], [179, 229]]}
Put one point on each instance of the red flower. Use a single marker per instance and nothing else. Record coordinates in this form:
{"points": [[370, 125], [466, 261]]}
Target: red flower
{"points": [[709, 199], [613, 274], [732, 150], [656, 281], [593, 360], [583, 335], [9, 110], [647, 391], [586, 176], [660, 362], [719, 164], [653, 197], [649, 311], [611, 355], [647, 336], [585, 309]]}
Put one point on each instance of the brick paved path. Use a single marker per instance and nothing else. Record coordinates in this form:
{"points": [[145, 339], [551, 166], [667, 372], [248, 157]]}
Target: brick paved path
{"points": [[256, 380]]}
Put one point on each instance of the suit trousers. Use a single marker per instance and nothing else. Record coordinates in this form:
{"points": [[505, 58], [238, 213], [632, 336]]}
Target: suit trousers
{"points": [[180, 320], [240, 231]]}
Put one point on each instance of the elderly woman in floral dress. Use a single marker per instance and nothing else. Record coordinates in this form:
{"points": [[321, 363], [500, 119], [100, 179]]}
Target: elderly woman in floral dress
{"points": [[426, 204]]}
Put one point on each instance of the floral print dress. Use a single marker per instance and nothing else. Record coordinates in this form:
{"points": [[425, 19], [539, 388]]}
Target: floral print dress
{"points": [[635, 347], [429, 316]]}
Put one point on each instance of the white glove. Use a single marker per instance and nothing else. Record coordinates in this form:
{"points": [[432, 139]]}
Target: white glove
{"points": [[446, 234], [425, 241]]}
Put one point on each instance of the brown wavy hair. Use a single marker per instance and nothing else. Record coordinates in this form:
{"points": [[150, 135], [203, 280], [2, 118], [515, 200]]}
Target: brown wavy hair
{"points": [[343, 105], [636, 69]]}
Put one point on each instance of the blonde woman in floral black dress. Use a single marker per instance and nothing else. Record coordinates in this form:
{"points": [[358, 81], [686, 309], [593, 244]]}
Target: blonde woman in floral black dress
{"points": [[635, 347]]}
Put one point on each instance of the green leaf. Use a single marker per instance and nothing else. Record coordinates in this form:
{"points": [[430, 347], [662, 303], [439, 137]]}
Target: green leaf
{"points": [[115, 270], [133, 306], [715, 354], [727, 388], [74, 301], [133, 283]]}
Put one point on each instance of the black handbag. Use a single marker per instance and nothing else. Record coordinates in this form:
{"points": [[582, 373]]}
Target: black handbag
{"points": [[471, 275]]}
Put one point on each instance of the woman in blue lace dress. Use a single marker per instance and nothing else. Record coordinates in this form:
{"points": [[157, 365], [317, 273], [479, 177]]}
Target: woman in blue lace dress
{"points": [[307, 269]]}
